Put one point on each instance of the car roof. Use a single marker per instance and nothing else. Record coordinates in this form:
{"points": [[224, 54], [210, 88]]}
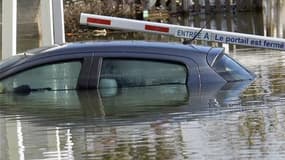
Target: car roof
{"points": [[109, 46]]}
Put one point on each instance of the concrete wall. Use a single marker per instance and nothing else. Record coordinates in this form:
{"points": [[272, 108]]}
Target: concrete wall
{"points": [[27, 28], [27, 17], [27, 11]]}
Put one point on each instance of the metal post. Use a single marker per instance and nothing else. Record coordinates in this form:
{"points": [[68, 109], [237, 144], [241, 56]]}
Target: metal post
{"points": [[9, 28], [173, 8], [47, 37], [58, 21], [185, 5]]}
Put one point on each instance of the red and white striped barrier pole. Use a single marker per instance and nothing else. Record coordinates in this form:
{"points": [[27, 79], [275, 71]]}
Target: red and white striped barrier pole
{"points": [[183, 31], [126, 24]]}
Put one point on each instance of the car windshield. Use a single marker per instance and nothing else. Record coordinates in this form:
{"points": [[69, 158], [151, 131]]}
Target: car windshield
{"points": [[9, 61], [231, 70]]}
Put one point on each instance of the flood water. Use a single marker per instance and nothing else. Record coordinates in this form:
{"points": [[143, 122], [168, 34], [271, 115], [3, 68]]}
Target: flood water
{"points": [[237, 121]]}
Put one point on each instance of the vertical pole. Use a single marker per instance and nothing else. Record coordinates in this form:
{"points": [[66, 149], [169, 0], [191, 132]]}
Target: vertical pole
{"points": [[46, 19], [9, 28], [207, 6], [228, 5], [173, 6], [218, 6], [282, 22], [203, 6], [58, 21], [190, 6], [185, 5]]}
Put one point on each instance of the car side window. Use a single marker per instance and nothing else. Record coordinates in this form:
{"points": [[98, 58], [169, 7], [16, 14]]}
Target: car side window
{"points": [[135, 72], [59, 76]]}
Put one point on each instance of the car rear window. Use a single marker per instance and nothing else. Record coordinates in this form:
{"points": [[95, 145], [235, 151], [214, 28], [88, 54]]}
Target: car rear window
{"points": [[231, 70]]}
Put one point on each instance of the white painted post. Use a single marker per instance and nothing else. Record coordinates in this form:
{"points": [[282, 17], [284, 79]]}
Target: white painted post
{"points": [[9, 28], [58, 21], [46, 21]]}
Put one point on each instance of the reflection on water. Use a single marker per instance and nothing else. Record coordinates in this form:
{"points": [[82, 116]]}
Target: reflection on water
{"points": [[235, 121], [162, 122], [130, 123]]}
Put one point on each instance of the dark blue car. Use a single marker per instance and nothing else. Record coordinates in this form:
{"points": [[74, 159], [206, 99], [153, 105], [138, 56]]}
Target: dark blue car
{"points": [[118, 64]]}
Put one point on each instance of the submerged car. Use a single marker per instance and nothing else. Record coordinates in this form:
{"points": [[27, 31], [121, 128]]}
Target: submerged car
{"points": [[118, 64], [133, 104]]}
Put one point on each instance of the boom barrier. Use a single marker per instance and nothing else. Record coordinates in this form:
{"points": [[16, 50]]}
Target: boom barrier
{"points": [[183, 31]]}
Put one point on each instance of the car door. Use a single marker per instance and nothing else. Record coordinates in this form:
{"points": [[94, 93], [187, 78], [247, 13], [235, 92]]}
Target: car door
{"points": [[129, 69]]}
